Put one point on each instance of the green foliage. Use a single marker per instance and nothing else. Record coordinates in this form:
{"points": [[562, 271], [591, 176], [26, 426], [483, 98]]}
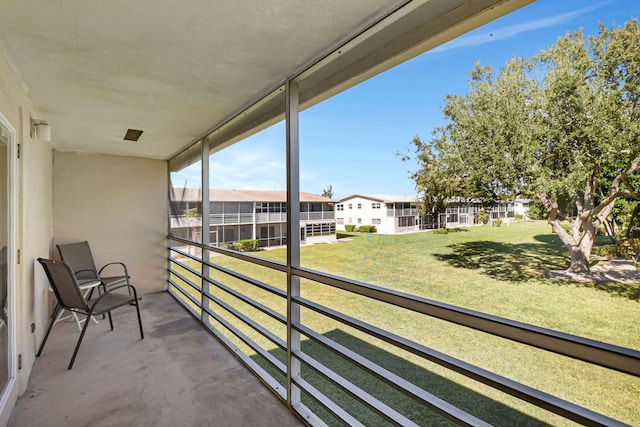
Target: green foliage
{"points": [[328, 192], [247, 245], [192, 213], [349, 227], [496, 222], [629, 248], [561, 127], [367, 229], [483, 216], [536, 209], [446, 230], [607, 251], [518, 217]]}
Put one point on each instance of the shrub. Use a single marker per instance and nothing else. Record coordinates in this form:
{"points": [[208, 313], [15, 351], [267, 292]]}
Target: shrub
{"points": [[441, 231], [518, 216], [247, 245], [483, 216], [496, 222], [368, 229], [608, 251], [349, 227], [629, 248]]}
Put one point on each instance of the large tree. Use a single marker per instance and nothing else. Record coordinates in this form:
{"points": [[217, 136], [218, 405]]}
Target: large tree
{"points": [[564, 124]]}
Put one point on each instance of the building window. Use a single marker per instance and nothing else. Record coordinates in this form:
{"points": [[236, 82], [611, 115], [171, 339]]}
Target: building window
{"points": [[322, 229], [375, 221], [405, 221], [340, 207], [340, 220], [359, 205], [350, 221], [350, 206], [375, 205], [359, 220]]}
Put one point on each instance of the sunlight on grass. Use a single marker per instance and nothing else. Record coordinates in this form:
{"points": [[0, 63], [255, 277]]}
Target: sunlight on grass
{"points": [[494, 270]]}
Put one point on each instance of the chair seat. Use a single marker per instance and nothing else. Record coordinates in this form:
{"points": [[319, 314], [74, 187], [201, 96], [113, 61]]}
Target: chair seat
{"points": [[109, 302]]}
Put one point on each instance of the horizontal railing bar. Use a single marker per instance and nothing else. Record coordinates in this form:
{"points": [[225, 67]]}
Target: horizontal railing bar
{"points": [[608, 355], [281, 293], [183, 253], [356, 392], [436, 404], [543, 400], [251, 364], [186, 267], [271, 359], [326, 403], [253, 303], [195, 286], [254, 325], [188, 296]]}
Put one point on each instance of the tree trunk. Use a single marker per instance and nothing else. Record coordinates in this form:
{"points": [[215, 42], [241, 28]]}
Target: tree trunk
{"points": [[579, 261], [580, 246]]}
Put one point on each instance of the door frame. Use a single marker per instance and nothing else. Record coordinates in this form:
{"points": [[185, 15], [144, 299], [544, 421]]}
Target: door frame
{"points": [[9, 394]]}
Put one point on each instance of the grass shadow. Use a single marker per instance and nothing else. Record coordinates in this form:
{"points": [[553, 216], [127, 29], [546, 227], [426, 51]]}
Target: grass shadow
{"points": [[513, 262], [517, 262], [472, 402]]}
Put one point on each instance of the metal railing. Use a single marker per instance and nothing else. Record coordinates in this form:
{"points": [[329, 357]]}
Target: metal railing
{"points": [[209, 301]]}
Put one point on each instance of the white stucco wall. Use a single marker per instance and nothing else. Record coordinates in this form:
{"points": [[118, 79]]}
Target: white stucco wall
{"points": [[366, 213], [33, 228], [119, 205]]}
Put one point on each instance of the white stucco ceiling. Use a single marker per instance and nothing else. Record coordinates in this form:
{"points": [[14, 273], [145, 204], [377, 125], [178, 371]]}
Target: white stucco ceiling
{"points": [[175, 69]]}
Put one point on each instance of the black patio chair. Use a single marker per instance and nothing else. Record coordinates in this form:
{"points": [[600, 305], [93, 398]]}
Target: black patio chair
{"points": [[70, 297], [78, 256]]}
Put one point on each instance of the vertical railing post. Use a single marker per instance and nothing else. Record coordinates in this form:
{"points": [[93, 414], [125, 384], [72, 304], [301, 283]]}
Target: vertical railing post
{"points": [[206, 208], [293, 237]]}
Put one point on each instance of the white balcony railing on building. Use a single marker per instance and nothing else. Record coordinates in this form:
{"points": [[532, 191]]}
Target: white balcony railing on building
{"points": [[317, 216], [279, 347], [402, 212]]}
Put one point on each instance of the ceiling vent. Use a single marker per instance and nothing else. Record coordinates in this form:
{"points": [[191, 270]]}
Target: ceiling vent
{"points": [[132, 135]]}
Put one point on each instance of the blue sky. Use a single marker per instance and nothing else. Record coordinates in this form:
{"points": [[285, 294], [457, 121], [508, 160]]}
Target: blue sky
{"points": [[351, 141]]}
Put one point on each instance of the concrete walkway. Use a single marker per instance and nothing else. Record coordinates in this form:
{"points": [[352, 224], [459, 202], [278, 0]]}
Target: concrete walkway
{"points": [[179, 375]]}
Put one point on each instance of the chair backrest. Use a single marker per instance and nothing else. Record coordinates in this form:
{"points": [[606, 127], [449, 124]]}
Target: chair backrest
{"points": [[64, 284], [78, 256]]}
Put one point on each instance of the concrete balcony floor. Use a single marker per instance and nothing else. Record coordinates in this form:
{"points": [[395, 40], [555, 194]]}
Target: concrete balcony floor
{"points": [[179, 375]]}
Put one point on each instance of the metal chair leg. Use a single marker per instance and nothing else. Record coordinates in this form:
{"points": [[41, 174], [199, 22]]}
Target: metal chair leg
{"points": [[75, 352], [56, 311]]}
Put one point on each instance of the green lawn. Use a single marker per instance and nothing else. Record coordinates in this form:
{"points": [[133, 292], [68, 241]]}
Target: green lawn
{"points": [[494, 270]]}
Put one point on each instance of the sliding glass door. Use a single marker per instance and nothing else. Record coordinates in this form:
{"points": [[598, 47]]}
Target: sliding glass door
{"points": [[7, 252]]}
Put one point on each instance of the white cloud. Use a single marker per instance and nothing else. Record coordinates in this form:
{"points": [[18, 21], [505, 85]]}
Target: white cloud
{"points": [[249, 166]]}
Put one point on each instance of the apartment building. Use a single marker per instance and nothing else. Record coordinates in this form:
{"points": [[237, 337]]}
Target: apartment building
{"points": [[251, 214], [393, 214]]}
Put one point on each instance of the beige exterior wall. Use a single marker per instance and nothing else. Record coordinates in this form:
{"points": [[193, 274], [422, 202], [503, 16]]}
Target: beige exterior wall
{"points": [[33, 219], [119, 205]]}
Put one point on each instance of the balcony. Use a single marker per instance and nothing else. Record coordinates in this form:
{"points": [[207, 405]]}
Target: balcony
{"points": [[338, 369], [178, 375]]}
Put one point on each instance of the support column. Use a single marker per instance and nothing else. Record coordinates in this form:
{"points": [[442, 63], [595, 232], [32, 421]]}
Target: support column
{"points": [[293, 237], [206, 234]]}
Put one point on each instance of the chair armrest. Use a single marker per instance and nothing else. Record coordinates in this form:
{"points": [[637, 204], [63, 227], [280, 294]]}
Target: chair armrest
{"points": [[121, 264]]}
